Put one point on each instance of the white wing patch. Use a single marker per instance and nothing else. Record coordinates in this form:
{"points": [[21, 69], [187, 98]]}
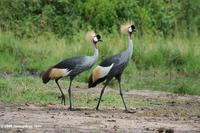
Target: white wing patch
{"points": [[65, 71], [100, 72], [104, 70]]}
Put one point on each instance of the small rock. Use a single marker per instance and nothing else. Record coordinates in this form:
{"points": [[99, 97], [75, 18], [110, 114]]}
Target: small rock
{"points": [[96, 116], [188, 103], [115, 127], [169, 131], [52, 117], [64, 113], [131, 111], [19, 131], [87, 113], [111, 120], [161, 130], [172, 103], [19, 108], [77, 86], [141, 109]]}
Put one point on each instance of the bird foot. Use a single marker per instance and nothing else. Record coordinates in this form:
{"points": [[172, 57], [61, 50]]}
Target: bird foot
{"points": [[71, 109], [97, 108], [129, 111], [63, 102], [62, 97]]}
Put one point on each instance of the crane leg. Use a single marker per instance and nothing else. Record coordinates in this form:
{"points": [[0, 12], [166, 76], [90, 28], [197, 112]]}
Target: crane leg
{"points": [[62, 94], [121, 94], [102, 91], [69, 92]]}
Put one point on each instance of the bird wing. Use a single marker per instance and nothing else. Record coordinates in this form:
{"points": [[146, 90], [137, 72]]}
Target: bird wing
{"points": [[100, 73], [70, 63], [110, 60], [67, 67], [105, 66], [71, 66]]}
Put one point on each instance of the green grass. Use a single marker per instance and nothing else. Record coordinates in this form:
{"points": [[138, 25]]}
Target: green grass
{"points": [[37, 54], [24, 90], [19, 90], [171, 82], [29, 89]]}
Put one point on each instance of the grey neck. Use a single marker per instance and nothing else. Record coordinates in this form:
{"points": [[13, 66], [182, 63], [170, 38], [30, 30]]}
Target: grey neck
{"points": [[96, 53], [130, 46]]}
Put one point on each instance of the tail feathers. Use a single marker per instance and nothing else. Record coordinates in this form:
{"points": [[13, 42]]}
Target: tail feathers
{"points": [[45, 76], [93, 84]]}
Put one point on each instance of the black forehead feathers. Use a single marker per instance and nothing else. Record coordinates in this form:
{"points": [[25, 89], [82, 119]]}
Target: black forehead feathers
{"points": [[132, 26], [98, 36]]}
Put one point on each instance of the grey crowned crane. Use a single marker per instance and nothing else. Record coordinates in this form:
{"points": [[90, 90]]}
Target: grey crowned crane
{"points": [[113, 66], [72, 67]]}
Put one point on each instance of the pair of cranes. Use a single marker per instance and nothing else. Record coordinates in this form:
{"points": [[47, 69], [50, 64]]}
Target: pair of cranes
{"points": [[111, 67]]}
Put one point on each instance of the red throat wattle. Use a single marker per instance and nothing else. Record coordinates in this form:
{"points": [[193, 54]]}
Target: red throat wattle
{"points": [[95, 46]]}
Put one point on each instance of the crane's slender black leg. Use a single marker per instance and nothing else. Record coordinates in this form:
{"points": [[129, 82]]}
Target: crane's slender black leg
{"points": [[62, 94], [69, 92], [121, 94], [102, 91]]}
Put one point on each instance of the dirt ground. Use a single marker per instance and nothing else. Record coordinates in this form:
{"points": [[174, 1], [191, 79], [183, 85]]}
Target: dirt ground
{"points": [[175, 113]]}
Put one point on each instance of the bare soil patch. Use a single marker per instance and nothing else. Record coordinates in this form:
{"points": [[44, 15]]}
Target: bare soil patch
{"points": [[173, 113]]}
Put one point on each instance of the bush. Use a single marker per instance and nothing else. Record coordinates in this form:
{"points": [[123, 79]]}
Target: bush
{"points": [[28, 18]]}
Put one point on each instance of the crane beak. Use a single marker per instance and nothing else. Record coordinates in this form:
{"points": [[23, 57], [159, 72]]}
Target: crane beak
{"points": [[100, 40]]}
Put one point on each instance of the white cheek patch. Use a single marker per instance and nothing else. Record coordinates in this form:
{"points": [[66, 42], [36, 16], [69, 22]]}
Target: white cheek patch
{"points": [[95, 39], [130, 29]]}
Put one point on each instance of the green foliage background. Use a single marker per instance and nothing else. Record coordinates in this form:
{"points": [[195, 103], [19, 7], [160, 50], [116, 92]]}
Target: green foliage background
{"points": [[66, 17]]}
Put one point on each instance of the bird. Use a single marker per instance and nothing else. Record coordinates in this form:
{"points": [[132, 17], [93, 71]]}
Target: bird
{"points": [[73, 66], [113, 66]]}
